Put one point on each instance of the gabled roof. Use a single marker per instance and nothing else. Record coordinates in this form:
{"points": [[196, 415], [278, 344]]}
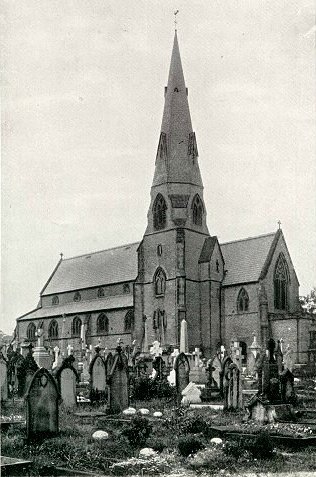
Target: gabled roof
{"points": [[245, 259], [114, 265], [207, 249], [102, 304]]}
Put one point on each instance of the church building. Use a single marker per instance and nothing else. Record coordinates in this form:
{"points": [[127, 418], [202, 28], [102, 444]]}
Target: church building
{"points": [[225, 291]]}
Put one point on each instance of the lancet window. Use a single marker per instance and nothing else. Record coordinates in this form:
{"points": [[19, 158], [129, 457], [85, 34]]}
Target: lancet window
{"points": [[53, 329], [197, 210], [76, 326], [160, 282], [159, 211], [103, 324], [281, 281], [31, 332], [242, 301]]}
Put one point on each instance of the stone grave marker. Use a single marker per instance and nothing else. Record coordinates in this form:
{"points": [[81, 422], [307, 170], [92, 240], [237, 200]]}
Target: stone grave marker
{"points": [[42, 399], [30, 367], [279, 357], [287, 387], [67, 377], [227, 361], [254, 351], [234, 395], [16, 374], [288, 359], [182, 370], [3, 377], [97, 372], [118, 381], [191, 394]]}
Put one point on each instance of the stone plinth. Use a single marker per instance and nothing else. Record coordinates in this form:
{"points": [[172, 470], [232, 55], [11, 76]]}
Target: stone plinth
{"points": [[42, 357]]}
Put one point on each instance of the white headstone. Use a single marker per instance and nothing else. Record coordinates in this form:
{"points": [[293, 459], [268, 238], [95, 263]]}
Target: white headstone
{"points": [[191, 394], [156, 349]]}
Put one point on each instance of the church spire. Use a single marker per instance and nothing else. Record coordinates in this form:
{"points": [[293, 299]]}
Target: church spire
{"points": [[177, 151]]}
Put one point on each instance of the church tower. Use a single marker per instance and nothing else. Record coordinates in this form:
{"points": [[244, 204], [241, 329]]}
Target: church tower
{"points": [[167, 288]]}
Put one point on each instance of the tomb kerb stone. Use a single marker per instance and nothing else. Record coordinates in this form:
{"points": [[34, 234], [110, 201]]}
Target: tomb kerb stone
{"points": [[42, 399], [118, 382]]}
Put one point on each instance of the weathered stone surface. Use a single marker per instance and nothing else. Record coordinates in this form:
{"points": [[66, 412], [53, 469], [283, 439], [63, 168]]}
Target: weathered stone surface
{"points": [[68, 387], [182, 369], [102, 435], [130, 411], [118, 382], [97, 372], [147, 452], [42, 399], [191, 394]]}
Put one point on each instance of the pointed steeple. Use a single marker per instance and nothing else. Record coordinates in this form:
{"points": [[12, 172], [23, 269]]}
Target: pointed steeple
{"points": [[177, 153]]}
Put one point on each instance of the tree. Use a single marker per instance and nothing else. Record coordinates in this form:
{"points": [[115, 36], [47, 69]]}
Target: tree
{"points": [[308, 302]]}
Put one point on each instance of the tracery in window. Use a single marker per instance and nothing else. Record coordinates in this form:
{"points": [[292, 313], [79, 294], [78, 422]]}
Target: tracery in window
{"points": [[76, 326], [77, 296], [160, 282], [129, 321], [53, 329], [242, 301], [159, 212], [103, 324], [31, 332], [55, 300], [197, 210], [281, 281]]}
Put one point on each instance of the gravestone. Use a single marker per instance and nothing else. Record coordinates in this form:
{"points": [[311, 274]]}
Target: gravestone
{"points": [[216, 369], [254, 351], [270, 375], [191, 394], [67, 377], [98, 378], [30, 367], [279, 357], [288, 359], [287, 387], [182, 370], [40, 353], [42, 399], [234, 394], [160, 368], [3, 377], [118, 381], [224, 378], [16, 374]]}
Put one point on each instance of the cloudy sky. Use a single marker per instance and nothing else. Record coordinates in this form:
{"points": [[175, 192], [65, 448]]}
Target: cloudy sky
{"points": [[83, 85]]}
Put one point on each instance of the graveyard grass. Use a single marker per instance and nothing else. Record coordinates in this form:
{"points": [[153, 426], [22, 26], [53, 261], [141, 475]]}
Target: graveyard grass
{"points": [[178, 429]]}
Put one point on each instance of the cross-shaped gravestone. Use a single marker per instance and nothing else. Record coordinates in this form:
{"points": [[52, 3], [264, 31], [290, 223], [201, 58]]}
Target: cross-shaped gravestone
{"points": [[56, 359], [197, 357]]}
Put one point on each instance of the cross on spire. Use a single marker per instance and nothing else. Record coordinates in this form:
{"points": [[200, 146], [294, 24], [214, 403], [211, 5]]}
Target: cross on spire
{"points": [[175, 19], [279, 223]]}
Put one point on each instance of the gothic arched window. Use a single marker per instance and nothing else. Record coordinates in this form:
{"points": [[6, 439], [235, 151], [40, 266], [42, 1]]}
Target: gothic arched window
{"points": [[129, 322], [197, 210], [76, 326], [242, 301], [159, 211], [103, 324], [53, 329], [101, 292], [280, 281], [31, 332], [55, 300], [160, 282]]}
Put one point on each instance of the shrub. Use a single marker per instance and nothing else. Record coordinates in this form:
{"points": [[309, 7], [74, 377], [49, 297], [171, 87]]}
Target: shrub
{"points": [[262, 446], [212, 459], [189, 444], [158, 444], [138, 431], [146, 388], [236, 448], [192, 425]]}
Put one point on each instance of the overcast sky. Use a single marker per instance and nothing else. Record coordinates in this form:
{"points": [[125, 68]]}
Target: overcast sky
{"points": [[83, 92]]}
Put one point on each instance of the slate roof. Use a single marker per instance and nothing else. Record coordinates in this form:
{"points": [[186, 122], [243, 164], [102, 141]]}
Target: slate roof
{"points": [[114, 265], [245, 259], [108, 303]]}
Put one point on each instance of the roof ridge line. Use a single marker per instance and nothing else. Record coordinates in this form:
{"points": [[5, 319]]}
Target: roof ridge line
{"points": [[100, 251], [248, 238]]}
